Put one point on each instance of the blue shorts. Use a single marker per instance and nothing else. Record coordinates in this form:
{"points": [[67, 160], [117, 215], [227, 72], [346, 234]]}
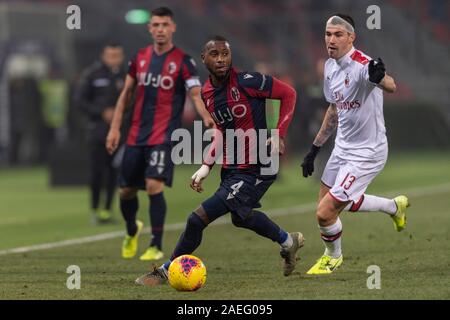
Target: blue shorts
{"points": [[240, 190], [140, 163]]}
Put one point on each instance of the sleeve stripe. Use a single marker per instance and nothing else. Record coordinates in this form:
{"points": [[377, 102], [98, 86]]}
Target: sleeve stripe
{"points": [[263, 83]]}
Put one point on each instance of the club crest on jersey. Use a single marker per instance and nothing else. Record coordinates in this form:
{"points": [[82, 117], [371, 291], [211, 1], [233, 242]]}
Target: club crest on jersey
{"points": [[235, 94], [172, 67], [347, 81], [142, 63]]}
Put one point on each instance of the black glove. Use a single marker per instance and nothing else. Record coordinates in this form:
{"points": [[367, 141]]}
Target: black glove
{"points": [[377, 71], [308, 162]]}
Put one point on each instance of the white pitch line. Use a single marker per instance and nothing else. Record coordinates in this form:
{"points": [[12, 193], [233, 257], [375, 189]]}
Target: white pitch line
{"points": [[413, 192]]}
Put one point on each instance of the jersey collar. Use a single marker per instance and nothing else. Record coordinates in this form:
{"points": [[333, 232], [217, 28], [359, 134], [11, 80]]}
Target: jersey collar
{"points": [[231, 73], [162, 54], [343, 61]]}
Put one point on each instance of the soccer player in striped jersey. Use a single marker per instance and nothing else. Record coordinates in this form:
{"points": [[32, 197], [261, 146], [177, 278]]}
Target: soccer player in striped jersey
{"points": [[353, 85], [160, 75], [236, 101]]}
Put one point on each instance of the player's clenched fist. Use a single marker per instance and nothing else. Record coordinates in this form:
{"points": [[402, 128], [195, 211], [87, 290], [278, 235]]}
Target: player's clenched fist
{"points": [[377, 70], [308, 161], [198, 177], [112, 140]]}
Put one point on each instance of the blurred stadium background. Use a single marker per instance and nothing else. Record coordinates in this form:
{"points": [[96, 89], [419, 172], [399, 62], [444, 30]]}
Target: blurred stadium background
{"points": [[41, 61], [43, 157]]}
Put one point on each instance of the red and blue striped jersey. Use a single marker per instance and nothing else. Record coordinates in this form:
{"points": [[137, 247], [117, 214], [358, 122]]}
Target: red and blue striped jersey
{"points": [[240, 104], [161, 82]]}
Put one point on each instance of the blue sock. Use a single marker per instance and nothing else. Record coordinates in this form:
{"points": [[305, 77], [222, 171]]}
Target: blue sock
{"points": [[157, 212], [167, 264], [261, 224], [191, 238], [282, 236], [129, 208]]}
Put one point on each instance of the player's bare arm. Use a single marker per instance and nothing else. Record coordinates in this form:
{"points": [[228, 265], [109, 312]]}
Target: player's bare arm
{"points": [[201, 174], [388, 84], [194, 94], [329, 125], [113, 138]]}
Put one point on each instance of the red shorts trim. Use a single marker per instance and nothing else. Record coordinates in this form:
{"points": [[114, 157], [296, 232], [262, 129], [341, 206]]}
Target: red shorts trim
{"points": [[356, 205]]}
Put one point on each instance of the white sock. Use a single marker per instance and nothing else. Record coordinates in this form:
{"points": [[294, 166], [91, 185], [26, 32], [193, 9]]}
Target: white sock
{"points": [[288, 242], [373, 203], [331, 237]]}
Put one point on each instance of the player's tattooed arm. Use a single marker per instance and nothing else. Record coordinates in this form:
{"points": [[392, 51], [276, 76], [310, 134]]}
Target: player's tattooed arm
{"points": [[329, 125], [388, 84]]}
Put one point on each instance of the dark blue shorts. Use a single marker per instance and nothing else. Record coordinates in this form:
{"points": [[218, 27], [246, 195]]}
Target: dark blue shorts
{"points": [[140, 163], [241, 190]]}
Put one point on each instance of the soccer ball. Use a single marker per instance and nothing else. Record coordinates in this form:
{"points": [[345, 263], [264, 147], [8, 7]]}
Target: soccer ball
{"points": [[187, 273]]}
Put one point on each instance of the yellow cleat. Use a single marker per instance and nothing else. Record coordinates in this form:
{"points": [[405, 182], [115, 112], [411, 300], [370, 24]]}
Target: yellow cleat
{"points": [[399, 218], [326, 265], [104, 216], [152, 253], [130, 243]]}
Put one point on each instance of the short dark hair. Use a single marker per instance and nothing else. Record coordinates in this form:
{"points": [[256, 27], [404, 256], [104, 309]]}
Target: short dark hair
{"points": [[216, 38], [162, 12], [112, 44], [347, 18]]}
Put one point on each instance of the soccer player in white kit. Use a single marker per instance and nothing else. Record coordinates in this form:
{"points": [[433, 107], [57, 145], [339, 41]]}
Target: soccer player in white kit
{"points": [[353, 85]]}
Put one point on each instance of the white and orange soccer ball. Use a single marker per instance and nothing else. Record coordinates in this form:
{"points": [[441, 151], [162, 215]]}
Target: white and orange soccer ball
{"points": [[187, 273]]}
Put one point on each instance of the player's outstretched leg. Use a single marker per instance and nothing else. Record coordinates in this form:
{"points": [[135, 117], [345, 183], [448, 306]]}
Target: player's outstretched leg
{"points": [[395, 208], [189, 240], [261, 224]]}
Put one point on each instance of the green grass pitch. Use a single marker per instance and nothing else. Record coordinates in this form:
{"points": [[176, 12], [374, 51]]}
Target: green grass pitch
{"points": [[414, 264]]}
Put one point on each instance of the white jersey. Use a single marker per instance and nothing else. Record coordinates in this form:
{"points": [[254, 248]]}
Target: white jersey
{"points": [[361, 133]]}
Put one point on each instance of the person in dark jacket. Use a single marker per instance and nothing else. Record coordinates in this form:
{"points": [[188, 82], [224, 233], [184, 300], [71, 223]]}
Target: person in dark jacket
{"points": [[100, 86]]}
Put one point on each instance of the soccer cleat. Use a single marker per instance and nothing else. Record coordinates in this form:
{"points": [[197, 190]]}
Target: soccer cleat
{"points": [[399, 218], [104, 216], [326, 265], [152, 253], [157, 277], [130, 243], [290, 254]]}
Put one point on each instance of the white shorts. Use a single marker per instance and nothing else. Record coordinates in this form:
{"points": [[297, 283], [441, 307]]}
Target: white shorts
{"points": [[349, 179]]}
